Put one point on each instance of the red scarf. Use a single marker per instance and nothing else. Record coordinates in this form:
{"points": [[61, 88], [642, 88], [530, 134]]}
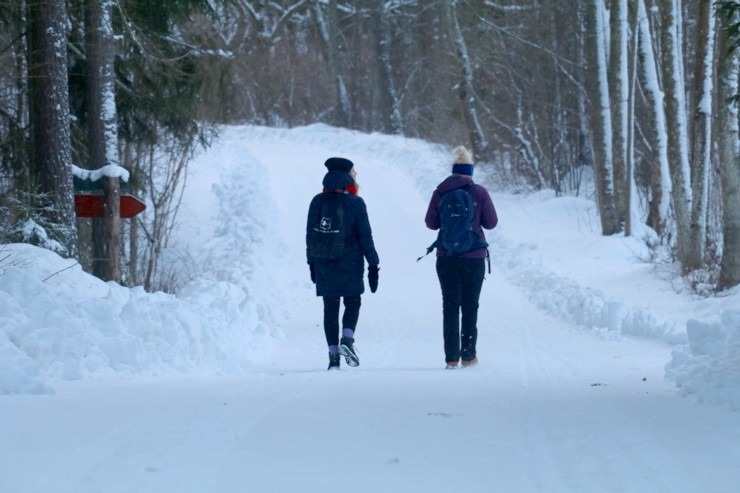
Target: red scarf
{"points": [[349, 188]]}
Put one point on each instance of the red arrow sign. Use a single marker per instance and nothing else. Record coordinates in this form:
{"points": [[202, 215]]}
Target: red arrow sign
{"points": [[89, 205]]}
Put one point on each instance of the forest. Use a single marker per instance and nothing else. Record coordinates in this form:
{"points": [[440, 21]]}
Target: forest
{"points": [[630, 102]]}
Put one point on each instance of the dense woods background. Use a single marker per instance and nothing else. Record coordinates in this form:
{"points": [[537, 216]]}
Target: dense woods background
{"points": [[631, 102]]}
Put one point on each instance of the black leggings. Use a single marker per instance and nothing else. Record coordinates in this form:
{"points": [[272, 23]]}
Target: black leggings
{"points": [[461, 280], [331, 316]]}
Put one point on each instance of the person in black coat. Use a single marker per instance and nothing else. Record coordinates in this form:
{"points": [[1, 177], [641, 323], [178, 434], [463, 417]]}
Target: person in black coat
{"points": [[338, 241]]}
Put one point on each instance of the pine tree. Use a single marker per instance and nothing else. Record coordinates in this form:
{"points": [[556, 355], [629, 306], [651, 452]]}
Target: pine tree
{"points": [[49, 119]]}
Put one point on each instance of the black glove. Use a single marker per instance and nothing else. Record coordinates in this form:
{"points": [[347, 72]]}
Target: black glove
{"points": [[372, 277], [313, 273]]}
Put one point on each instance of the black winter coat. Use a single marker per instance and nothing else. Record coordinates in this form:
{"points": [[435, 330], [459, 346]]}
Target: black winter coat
{"points": [[343, 277]]}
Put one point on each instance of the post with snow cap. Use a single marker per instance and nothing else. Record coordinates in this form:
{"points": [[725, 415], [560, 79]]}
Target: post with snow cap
{"points": [[103, 200], [112, 228]]}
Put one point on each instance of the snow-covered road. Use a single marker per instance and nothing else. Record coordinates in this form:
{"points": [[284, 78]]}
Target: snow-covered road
{"points": [[549, 410]]}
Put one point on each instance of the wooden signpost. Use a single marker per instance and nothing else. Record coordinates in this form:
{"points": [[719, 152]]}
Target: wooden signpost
{"points": [[89, 201], [89, 205]]}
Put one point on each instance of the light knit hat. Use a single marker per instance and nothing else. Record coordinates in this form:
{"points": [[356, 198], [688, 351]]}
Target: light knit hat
{"points": [[463, 164]]}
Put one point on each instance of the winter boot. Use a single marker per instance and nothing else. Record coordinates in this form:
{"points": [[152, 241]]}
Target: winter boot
{"points": [[347, 349], [451, 365], [470, 362], [334, 361]]}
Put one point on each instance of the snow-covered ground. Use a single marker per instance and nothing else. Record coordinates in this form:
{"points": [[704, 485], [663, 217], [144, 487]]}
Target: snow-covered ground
{"points": [[599, 371]]}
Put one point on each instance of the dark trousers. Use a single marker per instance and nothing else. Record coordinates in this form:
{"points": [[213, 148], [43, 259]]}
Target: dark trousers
{"points": [[461, 280], [331, 316]]}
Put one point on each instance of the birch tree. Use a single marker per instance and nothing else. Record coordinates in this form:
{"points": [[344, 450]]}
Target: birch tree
{"points": [[465, 87], [676, 124], [660, 173], [618, 79], [701, 142], [602, 122], [326, 19], [729, 159], [49, 117], [392, 121]]}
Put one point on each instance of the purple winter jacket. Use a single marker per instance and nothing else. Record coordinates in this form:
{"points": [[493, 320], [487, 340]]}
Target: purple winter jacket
{"points": [[485, 212]]}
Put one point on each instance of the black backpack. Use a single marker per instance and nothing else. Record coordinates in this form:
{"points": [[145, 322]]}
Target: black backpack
{"points": [[327, 236]]}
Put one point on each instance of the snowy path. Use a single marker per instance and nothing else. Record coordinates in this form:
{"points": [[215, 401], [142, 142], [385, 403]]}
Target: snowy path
{"points": [[549, 409]]}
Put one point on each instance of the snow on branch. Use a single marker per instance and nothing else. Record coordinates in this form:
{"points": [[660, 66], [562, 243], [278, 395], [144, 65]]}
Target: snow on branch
{"points": [[509, 8]]}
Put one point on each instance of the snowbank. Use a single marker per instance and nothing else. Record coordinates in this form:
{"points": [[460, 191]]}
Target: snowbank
{"points": [[584, 306], [57, 322], [708, 367]]}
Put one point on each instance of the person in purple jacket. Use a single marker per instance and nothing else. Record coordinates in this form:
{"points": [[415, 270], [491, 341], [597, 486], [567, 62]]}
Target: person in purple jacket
{"points": [[461, 273]]}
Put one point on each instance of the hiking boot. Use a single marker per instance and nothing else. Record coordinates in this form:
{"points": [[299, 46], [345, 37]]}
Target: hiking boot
{"points": [[334, 361], [451, 365], [347, 349], [470, 362]]}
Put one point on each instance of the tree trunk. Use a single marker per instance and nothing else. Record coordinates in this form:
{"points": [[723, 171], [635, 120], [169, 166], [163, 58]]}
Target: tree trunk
{"points": [[327, 25], [391, 118], [702, 134], [132, 274], [465, 86], [602, 123], [585, 136], [49, 117], [660, 184], [112, 220], [618, 77], [102, 134], [729, 159], [630, 190], [675, 108]]}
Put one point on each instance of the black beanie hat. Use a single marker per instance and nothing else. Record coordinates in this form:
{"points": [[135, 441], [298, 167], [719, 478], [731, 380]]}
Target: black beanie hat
{"points": [[339, 164]]}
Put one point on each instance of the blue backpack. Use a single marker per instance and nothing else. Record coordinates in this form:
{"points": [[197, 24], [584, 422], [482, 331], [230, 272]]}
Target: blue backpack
{"points": [[457, 214]]}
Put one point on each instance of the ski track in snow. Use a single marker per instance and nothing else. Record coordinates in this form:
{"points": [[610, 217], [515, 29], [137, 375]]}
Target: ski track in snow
{"points": [[551, 408]]}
